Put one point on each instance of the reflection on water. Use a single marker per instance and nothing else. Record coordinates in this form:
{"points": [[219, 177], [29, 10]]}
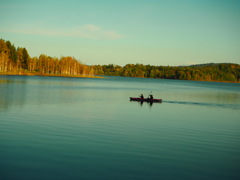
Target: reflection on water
{"points": [[12, 93], [19, 90], [78, 128], [150, 104]]}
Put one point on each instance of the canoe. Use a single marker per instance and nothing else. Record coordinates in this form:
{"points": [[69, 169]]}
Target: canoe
{"points": [[145, 99]]}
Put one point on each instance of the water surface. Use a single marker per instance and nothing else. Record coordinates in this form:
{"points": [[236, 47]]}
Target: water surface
{"points": [[80, 128]]}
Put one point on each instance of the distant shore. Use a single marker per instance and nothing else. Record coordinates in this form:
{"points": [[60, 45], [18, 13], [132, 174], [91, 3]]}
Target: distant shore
{"points": [[91, 76], [211, 81], [52, 75], [16, 61]]}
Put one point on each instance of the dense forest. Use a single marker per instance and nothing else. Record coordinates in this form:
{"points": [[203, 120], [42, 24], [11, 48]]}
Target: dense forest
{"points": [[205, 72], [17, 61]]}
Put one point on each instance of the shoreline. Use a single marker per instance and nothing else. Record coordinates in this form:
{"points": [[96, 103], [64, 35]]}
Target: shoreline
{"points": [[178, 79], [94, 76], [51, 75]]}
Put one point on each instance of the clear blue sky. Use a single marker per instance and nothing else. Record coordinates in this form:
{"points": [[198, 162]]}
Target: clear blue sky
{"points": [[156, 32]]}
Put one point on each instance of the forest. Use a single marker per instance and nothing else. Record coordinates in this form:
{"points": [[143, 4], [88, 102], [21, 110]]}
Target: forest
{"points": [[204, 72], [17, 61]]}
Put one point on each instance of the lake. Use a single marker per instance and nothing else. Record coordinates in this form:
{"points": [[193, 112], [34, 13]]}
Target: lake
{"points": [[82, 128]]}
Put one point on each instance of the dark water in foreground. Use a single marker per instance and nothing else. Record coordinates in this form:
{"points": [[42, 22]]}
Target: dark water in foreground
{"points": [[76, 128]]}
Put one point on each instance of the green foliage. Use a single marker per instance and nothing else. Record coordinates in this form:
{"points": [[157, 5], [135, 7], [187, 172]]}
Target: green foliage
{"points": [[3, 47], [17, 61], [12, 51], [205, 72], [25, 58]]}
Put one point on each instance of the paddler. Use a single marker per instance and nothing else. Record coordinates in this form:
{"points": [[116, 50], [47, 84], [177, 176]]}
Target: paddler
{"points": [[150, 96]]}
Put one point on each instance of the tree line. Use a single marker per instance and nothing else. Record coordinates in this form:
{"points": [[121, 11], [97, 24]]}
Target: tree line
{"points": [[205, 72], [17, 61]]}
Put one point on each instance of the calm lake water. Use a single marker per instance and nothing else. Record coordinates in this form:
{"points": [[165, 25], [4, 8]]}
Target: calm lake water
{"points": [[79, 128]]}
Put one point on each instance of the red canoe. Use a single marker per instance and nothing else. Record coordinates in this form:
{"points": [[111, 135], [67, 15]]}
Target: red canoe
{"points": [[145, 99]]}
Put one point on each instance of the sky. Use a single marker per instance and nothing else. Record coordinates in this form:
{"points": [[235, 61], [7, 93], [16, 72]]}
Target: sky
{"points": [[155, 32]]}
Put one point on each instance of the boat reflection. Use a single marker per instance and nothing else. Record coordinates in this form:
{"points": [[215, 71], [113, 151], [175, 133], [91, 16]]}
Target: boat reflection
{"points": [[150, 104]]}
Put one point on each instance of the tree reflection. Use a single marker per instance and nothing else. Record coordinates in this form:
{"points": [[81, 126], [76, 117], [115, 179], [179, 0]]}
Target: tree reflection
{"points": [[13, 93]]}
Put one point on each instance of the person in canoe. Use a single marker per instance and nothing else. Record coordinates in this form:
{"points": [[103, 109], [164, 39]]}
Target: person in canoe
{"points": [[150, 96], [141, 96]]}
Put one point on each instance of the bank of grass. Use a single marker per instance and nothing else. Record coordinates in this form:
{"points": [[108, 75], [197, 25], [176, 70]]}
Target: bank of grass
{"points": [[52, 75]]}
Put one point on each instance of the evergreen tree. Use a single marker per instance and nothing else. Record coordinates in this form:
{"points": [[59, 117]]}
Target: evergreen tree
{"points": [[3, 47], [25, 57], [12, 51]]}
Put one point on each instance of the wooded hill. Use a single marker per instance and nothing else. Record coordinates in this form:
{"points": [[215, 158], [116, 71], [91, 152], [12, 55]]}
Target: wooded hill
{"points": [[205, 72], [17, 61]]}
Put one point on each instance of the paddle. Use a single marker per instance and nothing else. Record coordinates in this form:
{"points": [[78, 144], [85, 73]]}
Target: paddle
{"points": [[150, 93]]}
